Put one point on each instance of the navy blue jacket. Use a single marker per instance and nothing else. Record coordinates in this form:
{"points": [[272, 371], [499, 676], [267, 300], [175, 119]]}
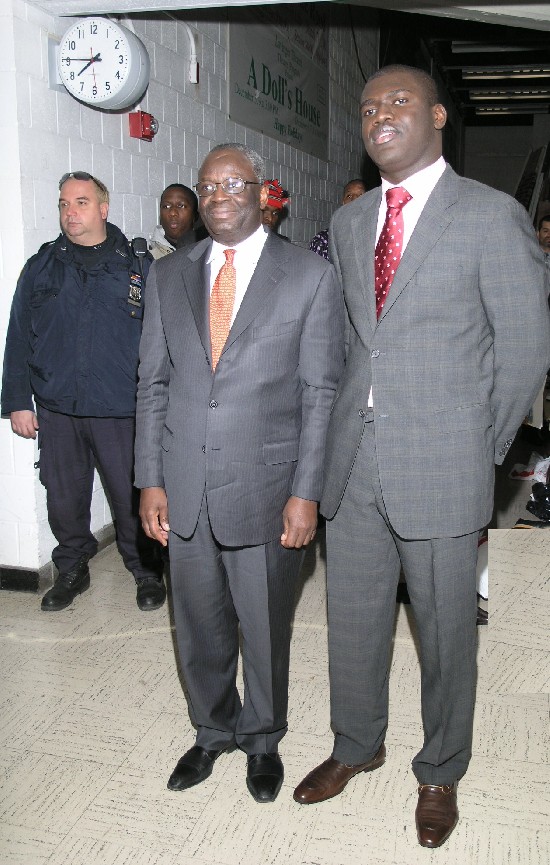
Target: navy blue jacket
{"points": [[73, 336]]}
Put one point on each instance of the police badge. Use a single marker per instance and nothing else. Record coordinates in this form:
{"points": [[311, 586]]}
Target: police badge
{"points": [[134, 291]]}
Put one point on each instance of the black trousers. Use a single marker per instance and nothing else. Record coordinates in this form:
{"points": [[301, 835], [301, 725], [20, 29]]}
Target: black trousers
{"points": [[70, 448], [217, 592]]}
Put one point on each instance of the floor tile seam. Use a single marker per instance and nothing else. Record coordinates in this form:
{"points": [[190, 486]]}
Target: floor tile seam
{"points": [[43, 859], [504, 683], [45, 752], [540, 702], [504, 824], [304, 625], [531, 651], [477, 821], [494, 762], [32, 826], [503, 590], [407, 641], [85, 641], [215, 788], [507, 760], [87, 808], [368, 860], [87, 759], [516, 559], [131, 841], [503, 600], [304, 677], [101, 706], [493, 644], [518, 643], [527, 568], [305, 858], [520, 693], [152, 725]]}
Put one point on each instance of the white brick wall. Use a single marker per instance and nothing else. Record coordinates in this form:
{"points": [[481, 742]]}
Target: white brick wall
{"points": [[46, 132]]}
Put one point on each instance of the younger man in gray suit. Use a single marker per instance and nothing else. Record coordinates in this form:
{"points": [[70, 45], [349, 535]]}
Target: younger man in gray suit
{"points": [[449, 342], [241, 352]]}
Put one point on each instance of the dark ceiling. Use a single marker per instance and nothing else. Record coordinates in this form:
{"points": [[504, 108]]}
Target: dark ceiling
{"points": [[493, 74]]}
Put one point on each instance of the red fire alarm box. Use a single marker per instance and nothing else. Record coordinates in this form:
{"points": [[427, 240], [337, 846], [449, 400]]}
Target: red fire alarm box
{"points": [[143, 125]]}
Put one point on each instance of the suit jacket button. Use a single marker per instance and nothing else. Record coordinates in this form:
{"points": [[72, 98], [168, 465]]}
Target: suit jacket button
{"points": [[213, 403], [203, 449], [375, 353], [361, 413]]}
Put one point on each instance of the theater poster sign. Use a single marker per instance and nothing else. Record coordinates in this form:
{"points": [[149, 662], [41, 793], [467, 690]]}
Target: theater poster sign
{"points": [[278, 76]]}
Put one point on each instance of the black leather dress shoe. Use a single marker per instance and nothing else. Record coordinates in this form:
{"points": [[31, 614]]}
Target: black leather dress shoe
{"points": [[195, 766], [151, 593], [264, 776], [67, 586], [482, 616]]}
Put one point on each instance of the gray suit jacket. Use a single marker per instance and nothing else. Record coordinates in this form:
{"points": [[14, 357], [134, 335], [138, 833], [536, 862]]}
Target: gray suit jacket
{"points": [[254, 433], [455, 360]]}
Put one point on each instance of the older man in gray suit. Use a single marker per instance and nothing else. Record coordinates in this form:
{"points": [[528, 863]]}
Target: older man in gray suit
{"points": [[241, 352], [448, 345]]}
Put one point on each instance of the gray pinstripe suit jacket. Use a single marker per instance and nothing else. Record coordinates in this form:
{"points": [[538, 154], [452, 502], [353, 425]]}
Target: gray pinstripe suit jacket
{"points": [[455, 360], [254, 433]]}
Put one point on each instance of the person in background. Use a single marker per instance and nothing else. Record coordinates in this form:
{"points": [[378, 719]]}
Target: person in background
{"points": [[241, 353], [352, 190], [179, 215], [442, 279], [543, 235], [275, 209], [72, 346]]}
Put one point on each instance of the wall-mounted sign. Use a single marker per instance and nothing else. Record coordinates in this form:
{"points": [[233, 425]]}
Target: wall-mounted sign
{"points": [[278, 75]]}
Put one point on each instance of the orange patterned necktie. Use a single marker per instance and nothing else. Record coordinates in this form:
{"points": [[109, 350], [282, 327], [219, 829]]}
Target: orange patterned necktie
{"points": [[389, 248], [222, 299]]}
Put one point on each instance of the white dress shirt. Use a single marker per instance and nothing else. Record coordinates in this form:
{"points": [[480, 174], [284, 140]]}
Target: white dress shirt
{"points": [[247, 254], [420, 186]]}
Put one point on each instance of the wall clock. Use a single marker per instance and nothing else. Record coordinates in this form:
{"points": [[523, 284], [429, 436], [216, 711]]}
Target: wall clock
{"points": [[103, 64]]}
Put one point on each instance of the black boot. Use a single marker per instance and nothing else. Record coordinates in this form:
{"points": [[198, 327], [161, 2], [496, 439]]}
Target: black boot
{"points": [[151, 593], [67, 587], [539, 505]]}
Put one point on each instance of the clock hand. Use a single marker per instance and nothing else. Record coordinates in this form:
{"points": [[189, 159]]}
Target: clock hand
{"points": [[96, 59]]}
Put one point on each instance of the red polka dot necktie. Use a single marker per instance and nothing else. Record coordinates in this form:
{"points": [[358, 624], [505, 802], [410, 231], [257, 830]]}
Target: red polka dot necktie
{"points": [[390, 245], [222, 299]]}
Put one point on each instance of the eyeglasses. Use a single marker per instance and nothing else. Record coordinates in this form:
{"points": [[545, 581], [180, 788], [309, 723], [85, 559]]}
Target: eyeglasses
{"points": [[232, 185], [83, 175]]}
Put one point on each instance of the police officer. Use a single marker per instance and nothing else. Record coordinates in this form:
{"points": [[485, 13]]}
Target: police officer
{"points": [[72, 344]]}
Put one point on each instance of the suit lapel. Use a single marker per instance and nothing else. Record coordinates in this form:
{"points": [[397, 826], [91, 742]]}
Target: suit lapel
{"points": [[195, 275], [433, 221], [364, 236], [196, 279]]}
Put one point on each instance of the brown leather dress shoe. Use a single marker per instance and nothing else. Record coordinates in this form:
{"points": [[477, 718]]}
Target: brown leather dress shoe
{"points": [[436, 814], [330, 778]]}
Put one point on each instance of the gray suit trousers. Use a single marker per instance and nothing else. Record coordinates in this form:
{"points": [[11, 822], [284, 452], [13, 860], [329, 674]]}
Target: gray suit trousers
{"points": [[215, 589], [364, 556]]}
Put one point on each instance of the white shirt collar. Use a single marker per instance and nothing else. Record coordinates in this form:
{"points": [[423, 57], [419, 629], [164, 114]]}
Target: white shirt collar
{"points": [[420, 185], [251, 246]]}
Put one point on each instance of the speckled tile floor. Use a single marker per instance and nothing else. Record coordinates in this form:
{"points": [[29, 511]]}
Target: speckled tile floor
{"points": [[93, 719]]}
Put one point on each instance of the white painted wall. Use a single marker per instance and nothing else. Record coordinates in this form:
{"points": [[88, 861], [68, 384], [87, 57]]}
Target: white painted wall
{"points": [[46, 132]]}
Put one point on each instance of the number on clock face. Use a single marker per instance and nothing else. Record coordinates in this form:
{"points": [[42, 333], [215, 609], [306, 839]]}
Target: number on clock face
{"points": [[94, 59]]}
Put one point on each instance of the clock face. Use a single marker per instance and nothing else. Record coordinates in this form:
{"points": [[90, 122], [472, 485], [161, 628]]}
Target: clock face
{"points": [[103, 64]]}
